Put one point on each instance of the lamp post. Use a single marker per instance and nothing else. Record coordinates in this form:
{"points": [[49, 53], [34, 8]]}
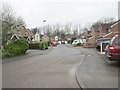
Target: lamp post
{"points": [[43, 27]]}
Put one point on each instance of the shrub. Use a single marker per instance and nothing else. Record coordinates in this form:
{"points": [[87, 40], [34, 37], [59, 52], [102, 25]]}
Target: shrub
{"points": [[46, 45], [34, 46], [6, 54], [17, 47], [41, 45]]}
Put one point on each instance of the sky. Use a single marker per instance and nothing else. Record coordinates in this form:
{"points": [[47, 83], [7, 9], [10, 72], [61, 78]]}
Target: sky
{"points": [[83, 12]]}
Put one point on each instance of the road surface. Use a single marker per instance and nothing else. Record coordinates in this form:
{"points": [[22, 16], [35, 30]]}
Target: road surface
{"points": [[53, 70], [63, 67]]}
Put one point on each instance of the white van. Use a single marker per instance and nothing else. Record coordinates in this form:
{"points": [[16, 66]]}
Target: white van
{"points": [[75, 42]]}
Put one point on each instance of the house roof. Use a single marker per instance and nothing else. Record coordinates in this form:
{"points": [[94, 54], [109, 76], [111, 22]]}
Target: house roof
{"points": [[109, 35], [96, 27], [106, 25], [44, 36], [14, 36], [21, 26], [116, 23], [99, 26]]}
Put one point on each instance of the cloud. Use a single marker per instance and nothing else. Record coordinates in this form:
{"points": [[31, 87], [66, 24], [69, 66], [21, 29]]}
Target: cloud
{"points": [[64, 11]]}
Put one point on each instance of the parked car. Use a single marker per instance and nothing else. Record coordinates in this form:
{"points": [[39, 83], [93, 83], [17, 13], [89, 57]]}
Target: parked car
{"points": [[63, 42], [101, 40], [112, 50], [54, 44], [77, 41]]}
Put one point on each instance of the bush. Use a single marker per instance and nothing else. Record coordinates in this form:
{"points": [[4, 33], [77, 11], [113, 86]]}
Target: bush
{"points": [[6, 54], [34, 46], [17, 47], [42, 45], [46, 45]]}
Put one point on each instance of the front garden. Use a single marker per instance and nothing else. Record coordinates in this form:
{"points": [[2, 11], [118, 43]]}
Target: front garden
{"points": [[19, 47], [15, 48]]}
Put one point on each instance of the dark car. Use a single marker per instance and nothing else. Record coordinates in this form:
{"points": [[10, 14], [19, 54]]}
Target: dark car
{"points": [[101, 40], [112, 50]]}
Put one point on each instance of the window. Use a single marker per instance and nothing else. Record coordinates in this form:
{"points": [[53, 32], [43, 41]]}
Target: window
{"points": [[117, 41]]}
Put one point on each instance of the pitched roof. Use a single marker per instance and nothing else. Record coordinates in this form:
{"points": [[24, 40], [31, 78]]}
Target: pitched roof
{"points": [[106, 25], [116, 23], [96, 27]]}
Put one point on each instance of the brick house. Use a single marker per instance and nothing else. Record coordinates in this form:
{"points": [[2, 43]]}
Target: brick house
{"points": [[104, 29], [94, 32], [45, 38], [21, 31], [115, 29], [29, 35], [98, 30]]}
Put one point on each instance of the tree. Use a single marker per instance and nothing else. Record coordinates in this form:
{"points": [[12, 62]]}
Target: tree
{"points": [[34, 30], [9, 22], [107, 20], [68, 28]]}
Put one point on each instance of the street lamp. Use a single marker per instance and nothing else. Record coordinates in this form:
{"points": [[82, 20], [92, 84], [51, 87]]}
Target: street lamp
{"points": [[43, 27]]}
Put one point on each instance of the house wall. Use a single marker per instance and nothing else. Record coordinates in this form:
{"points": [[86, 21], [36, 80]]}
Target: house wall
{"points": [[37, 37], [116, 28], [90, 43], [91, 40], [45, 38], [21, 32], [94, 33], [104, 31]]}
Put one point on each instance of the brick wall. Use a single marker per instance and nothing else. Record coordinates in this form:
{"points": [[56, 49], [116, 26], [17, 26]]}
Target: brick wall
{"points": [[116, 28]]}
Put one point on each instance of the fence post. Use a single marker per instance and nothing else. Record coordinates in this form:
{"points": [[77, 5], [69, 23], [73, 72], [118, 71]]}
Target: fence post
{"points": [[101, 47]]}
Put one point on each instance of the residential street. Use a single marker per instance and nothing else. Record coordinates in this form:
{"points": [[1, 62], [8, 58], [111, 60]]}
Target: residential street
{"points": [[60, 44], [95, 71], [63, 67], [53, 70]]}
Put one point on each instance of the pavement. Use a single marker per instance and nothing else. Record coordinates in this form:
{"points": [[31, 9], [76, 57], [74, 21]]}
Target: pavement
{"points": [[95, 72]]}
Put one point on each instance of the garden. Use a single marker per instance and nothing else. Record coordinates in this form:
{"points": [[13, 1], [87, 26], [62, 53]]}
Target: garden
{"points": [[15, 48], [19, 47]]}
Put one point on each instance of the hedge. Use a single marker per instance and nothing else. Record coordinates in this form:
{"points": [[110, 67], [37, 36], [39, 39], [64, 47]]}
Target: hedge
{"points": [[15, 48], [41, 45], [34, 46]]}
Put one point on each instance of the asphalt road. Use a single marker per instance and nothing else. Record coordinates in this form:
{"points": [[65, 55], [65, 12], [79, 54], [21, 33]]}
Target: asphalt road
{"points": [[95, 72], [62, 67], [53, 70]]}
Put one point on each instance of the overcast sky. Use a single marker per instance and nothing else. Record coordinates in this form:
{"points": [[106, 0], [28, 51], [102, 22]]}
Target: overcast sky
{"points": [[64, 11]]}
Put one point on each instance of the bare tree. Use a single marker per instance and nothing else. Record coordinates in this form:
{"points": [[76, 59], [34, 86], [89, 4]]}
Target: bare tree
{"points": [[68, 28], [107, 20], [9, 22]]}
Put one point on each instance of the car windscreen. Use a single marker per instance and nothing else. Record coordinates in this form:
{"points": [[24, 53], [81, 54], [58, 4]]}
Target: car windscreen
{"points": [[106, 40]]}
